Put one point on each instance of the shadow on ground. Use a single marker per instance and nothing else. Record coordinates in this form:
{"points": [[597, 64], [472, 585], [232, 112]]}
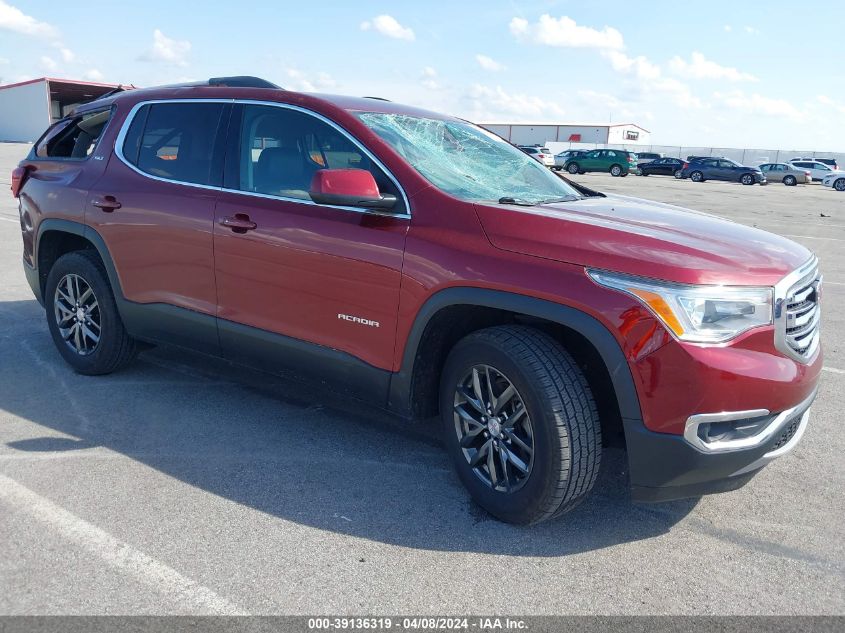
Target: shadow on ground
{"points": [[293, 450]]}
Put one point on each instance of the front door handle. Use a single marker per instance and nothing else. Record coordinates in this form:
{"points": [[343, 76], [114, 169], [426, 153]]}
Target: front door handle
{"points": [[239, 223], [106, 203]]}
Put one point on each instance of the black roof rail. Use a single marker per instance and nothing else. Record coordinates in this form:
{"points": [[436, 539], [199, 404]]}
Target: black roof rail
{"points": [[377, 98], [243, 81]]}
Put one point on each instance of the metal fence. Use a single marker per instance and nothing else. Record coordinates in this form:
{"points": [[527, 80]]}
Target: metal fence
{"points": [[749, 156]]}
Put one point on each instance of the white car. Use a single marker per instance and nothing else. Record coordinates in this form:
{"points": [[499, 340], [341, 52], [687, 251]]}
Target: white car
{"points": [[835, 179], [817, 170], [542, 155]]}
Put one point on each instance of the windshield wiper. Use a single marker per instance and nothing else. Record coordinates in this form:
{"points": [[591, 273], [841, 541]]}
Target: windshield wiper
{"points": [[563, 199], [517, 201]]}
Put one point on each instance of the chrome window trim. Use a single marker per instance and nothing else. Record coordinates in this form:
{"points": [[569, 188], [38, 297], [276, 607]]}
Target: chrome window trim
{"points": [[807, 271], [121, 138], [775, 425]]}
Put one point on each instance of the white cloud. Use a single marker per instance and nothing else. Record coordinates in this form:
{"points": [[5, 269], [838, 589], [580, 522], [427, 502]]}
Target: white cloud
{"points": [[758, 104], [823, 99], [564, 32], [167, 50], [67, 54], [488, 63], [495, 103], [48, 63], [93, 75], [389, 26], [301, 82], [429, 78], [728, 28], [4, 61], [699, 67], [13, 19], [751, 30], [639, 66], [649, 78]]}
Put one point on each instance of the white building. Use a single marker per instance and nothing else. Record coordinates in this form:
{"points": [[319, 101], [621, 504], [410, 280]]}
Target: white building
{"points": [[565, 134], [28, 108]]}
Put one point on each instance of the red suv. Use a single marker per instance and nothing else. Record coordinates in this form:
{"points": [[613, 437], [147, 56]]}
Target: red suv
{"points": [[429, 267]]}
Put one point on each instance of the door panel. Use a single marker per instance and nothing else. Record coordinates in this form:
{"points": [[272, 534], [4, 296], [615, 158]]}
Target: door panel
{"points": [[317, 273]]}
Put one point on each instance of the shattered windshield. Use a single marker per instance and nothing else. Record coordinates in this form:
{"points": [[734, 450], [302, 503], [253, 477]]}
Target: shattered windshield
{"points": [[468, 162]]}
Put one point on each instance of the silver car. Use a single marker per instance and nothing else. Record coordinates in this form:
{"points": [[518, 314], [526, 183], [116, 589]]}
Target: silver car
{"points": [[789, 175]]}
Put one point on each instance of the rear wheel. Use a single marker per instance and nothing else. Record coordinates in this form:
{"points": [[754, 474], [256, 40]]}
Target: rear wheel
{"points": [[839, 185], [790, 181], [616, 170], [696, 176], [678, 174], [747, 179], [83, 318], [573, 168], [520, 423]]}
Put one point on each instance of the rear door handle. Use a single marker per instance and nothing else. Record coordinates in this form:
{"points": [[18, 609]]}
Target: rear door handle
{"points": [[106, 203], [239, 223]]}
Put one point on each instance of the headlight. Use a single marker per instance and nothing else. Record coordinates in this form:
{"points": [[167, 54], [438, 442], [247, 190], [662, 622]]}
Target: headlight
{"points": [[699, 314]]}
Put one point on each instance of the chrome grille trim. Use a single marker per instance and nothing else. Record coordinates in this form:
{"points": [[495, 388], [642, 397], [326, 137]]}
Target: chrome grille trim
{"points": [[798, 313]]}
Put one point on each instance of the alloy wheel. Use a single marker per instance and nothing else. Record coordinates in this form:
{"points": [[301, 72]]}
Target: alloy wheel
{"points": [[839, 185], [77, 314], [494, 429]]}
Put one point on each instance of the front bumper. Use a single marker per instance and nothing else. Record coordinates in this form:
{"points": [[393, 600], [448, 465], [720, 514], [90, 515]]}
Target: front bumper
{"points": [[664, 467]]}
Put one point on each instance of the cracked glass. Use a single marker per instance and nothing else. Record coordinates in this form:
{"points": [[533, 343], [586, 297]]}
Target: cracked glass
{"points": [[469, 162]]}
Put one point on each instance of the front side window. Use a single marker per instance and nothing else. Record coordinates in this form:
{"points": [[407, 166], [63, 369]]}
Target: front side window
{"points": [[175, 141], [74, 138], [281, 149], [468, 162]]}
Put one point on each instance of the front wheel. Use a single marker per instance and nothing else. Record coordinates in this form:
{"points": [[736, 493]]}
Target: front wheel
{"points": [[616, 170], [747, 179], [82, 316], [520, 423], [573, 168], [839, 185], [790, 181]]}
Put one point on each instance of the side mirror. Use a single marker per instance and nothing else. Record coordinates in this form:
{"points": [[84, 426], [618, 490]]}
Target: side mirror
{"points": [[349, 188]]}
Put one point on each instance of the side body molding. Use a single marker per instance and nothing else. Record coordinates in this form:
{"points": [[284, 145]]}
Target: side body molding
{"points": [[582, 323]]}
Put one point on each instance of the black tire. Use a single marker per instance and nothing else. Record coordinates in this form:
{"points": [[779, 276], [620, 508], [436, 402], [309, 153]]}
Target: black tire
{"points": [[746, 179], [678, 174], [115, 348], [839, 184], [624, 174], [696, 176], [643, 172], [616, 170], [790, 181], [573, 168], [556, 168], [561, 411]]}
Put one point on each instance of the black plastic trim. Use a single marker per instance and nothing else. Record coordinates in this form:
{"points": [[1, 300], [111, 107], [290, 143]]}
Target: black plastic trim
{"points": [[399, 399]]}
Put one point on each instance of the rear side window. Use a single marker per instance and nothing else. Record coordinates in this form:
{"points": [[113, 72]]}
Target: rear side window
{"points": [[175, 141], [73, 138]]}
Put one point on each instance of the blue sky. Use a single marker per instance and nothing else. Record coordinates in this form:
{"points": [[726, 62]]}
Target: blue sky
{"points": [[724, 74]]}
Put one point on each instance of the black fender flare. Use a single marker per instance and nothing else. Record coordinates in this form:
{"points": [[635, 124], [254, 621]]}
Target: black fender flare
{"points": [[88, 233], [399, 398]]}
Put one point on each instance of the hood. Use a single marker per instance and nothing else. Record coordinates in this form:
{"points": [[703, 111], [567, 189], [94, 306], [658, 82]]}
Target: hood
{"points": [[640, 237]]}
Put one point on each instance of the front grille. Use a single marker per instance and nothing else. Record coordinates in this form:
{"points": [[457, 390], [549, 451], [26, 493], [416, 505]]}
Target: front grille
{"points": [[787, 434], [802, 314]]}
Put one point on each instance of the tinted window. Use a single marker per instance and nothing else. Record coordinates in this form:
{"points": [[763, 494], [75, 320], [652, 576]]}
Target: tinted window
{"points": [[73, 138], [177, 141], [281, 150]]}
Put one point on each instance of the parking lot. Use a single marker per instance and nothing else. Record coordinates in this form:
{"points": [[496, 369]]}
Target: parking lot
{"points": [[188, 485]]}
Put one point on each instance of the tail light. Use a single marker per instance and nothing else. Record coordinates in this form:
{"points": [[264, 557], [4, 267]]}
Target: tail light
{"points": [[807, 174], [685, 165], [18, 177]]}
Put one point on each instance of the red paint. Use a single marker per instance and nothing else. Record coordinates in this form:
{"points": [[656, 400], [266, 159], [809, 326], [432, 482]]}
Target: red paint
{"points": [[303, 264], [352, 182]]}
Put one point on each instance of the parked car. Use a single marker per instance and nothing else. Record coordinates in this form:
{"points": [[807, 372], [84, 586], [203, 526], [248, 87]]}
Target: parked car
{"points": [[787, 174], [817, 170], [722, 169], [643, 157], [537, 318], [617, 162], [661, 167], [541, 154], [562, 157], [830, 162], [835, 179]]}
